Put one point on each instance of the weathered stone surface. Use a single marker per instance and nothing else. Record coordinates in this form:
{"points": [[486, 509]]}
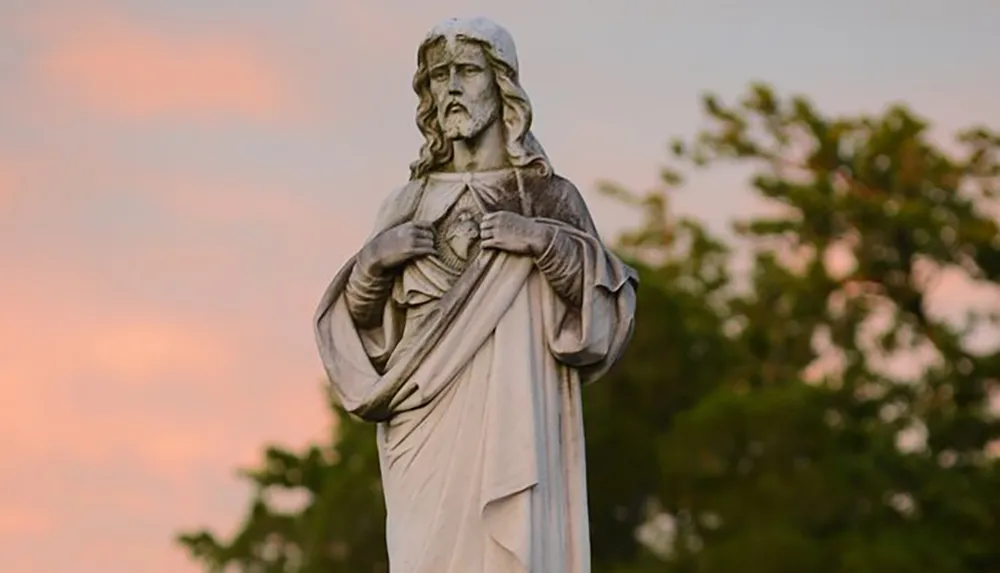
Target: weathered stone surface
{"points": [[467, 323]]}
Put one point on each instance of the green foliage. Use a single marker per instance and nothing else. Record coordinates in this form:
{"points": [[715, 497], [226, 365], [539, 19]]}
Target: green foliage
{"points": [[759, 422], [340, 527], [790, 465]]}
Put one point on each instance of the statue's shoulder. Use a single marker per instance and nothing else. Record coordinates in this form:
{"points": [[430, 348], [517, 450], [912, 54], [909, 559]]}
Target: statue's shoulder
{"points": [[399, 205], [552, 196]]}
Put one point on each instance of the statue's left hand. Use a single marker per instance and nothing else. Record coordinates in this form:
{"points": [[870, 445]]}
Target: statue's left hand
{"points": [[514, 233]]}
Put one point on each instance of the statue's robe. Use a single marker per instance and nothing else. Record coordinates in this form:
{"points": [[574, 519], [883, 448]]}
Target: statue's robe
{"points": [[473, 377]]}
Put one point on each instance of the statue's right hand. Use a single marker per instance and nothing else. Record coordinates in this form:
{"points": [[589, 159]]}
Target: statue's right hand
{"points": [[396, 246]]}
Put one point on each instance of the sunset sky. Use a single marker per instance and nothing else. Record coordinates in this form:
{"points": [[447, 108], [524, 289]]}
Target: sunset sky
{"points": [[179, 179]]}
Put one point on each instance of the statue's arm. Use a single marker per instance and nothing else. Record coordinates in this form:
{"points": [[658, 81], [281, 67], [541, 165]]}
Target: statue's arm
{"points": [[594, 323], [562, 262], [368, 291]]}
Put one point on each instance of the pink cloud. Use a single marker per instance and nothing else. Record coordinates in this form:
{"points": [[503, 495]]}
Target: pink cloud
{"points": [[105, 376], [136, 346], [138, 413], [141, 403], [120, 67], [16, 520]]}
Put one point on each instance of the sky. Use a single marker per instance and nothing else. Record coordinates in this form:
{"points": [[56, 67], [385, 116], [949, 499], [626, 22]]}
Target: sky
{"points": [[180, 179]]}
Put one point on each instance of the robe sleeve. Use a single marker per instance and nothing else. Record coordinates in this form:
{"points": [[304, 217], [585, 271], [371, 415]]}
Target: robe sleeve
{"points": [[560, 265], [371, 314], [590, 294], [379, 332], [366, 296]]}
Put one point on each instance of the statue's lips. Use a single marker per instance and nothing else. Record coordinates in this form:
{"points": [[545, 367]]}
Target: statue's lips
{"points": [[455, 108]]}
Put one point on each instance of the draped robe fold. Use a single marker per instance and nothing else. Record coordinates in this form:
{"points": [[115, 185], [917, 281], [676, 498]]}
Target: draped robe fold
{"points": [[475, 383]]}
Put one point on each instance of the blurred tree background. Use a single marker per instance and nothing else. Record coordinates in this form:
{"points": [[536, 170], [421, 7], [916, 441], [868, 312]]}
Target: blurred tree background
{"points": [[809, 414]]}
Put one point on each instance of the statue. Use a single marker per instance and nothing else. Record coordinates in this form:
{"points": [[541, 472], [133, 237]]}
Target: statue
{"points": [[467, 324]]}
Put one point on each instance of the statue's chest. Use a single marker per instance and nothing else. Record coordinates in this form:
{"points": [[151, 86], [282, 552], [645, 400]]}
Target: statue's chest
{"points": [[456, 234], [456, 208]]}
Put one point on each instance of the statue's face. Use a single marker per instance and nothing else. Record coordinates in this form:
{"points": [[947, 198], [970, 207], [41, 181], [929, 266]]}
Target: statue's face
{"points": [[464, 89]]}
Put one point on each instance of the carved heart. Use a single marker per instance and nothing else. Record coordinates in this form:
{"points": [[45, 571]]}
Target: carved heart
{"points": [[460, 245], [461, 236]]}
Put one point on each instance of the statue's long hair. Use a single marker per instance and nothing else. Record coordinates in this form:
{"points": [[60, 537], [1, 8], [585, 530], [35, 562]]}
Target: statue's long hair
{"points": [[523, 150]]}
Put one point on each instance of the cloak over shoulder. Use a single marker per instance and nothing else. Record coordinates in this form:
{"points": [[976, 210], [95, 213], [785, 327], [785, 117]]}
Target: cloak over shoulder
{"points": [[551, 199]]}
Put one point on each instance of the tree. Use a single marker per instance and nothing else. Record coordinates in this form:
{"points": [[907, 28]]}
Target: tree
{"points": [[793, 460], [341, 526], [758, 420]]}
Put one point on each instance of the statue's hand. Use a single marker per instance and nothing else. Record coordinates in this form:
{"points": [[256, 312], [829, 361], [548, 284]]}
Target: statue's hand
{"points": [[511, 232], [396, 246]]}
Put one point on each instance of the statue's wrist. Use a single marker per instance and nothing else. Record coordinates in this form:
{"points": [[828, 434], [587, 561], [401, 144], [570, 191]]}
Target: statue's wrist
{"points": [[369, 265], [545, 236]]}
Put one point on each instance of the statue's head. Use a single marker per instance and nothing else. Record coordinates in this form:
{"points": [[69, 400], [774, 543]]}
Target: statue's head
{"points": [[466, 80]]}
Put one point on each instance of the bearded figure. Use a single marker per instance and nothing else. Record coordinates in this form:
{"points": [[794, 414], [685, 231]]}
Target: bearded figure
{"points": [[467, 324]]}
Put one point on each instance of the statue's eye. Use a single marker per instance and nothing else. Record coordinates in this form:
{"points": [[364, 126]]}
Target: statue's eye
{"points": [[439, 74]]}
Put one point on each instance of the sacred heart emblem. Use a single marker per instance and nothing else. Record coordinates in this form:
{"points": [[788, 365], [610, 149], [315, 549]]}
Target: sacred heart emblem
{"points": [[462, 234]]}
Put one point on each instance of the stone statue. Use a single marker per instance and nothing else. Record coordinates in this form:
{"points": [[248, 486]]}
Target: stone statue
{"points": [[467, 324]]}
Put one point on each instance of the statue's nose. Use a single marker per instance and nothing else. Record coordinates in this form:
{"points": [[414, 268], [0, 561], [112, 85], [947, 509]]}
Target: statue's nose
{"points": [[454, 85]]}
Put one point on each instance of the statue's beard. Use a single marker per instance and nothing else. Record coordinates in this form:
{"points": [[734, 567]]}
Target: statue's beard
{"points": [[468, 124]]}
